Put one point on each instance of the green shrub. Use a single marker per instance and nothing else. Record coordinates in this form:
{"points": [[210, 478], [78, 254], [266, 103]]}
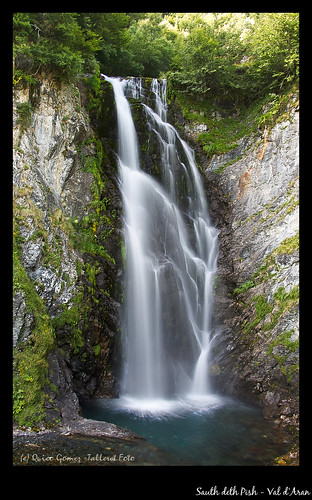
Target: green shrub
{"points": [[24, 110]]}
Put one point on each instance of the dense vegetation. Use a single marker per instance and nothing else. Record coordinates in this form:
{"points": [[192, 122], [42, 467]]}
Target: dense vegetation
{"points": [[240, 55]]}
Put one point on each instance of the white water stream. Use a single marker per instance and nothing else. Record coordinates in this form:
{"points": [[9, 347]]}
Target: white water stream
{"points": [[171, 257]]}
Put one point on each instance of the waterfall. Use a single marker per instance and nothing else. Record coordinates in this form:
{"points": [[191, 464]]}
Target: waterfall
{"points": [[171, 257]]}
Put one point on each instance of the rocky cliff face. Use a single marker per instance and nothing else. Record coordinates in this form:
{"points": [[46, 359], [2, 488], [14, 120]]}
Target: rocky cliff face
{"points": [[68, 254], [67, 250], [253, 193]]}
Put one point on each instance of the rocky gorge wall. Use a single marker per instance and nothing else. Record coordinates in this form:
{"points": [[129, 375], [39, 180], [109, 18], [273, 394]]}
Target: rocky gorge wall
{"points": [[68, 254], [253, 193], [67, 249]]}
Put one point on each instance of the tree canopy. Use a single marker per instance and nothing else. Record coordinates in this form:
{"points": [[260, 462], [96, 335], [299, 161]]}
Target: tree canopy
{"points": [[235, 54]]}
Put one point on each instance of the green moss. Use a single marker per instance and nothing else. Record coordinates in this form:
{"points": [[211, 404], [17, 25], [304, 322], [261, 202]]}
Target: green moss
{"points": [[92, 271], [123, 253], [85, 240], [97, 349], [244, 287], [278, 110], [227, 126], [52, 247], [263, 307], [93, 164], [147, 81], [284, 340], [282, 302], [71, 318], [227, 164], [24, 110], [30, 374], [84, 235], [287, 247], [284, 299], [276, 214], [94, 91], [224, 128], [30, 358]]}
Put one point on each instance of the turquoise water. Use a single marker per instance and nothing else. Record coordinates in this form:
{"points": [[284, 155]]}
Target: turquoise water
{"points": [[214, 431]]}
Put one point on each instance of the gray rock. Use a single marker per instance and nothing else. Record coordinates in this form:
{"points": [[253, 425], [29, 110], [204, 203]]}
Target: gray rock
{"points": [[254, 204], [19, 307], [22, 320], [50, 188], [31, 254], [46, 173]]}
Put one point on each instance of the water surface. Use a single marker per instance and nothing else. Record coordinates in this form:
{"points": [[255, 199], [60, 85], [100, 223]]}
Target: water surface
{"points": [[209, 431]]}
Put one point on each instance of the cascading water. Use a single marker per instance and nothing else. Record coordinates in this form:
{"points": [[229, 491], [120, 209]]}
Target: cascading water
{"points": [[171, 258]]}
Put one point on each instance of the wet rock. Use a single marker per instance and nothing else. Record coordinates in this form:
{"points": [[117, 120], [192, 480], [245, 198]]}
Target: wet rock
{"points": [[253, 200], [89, 427]]}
